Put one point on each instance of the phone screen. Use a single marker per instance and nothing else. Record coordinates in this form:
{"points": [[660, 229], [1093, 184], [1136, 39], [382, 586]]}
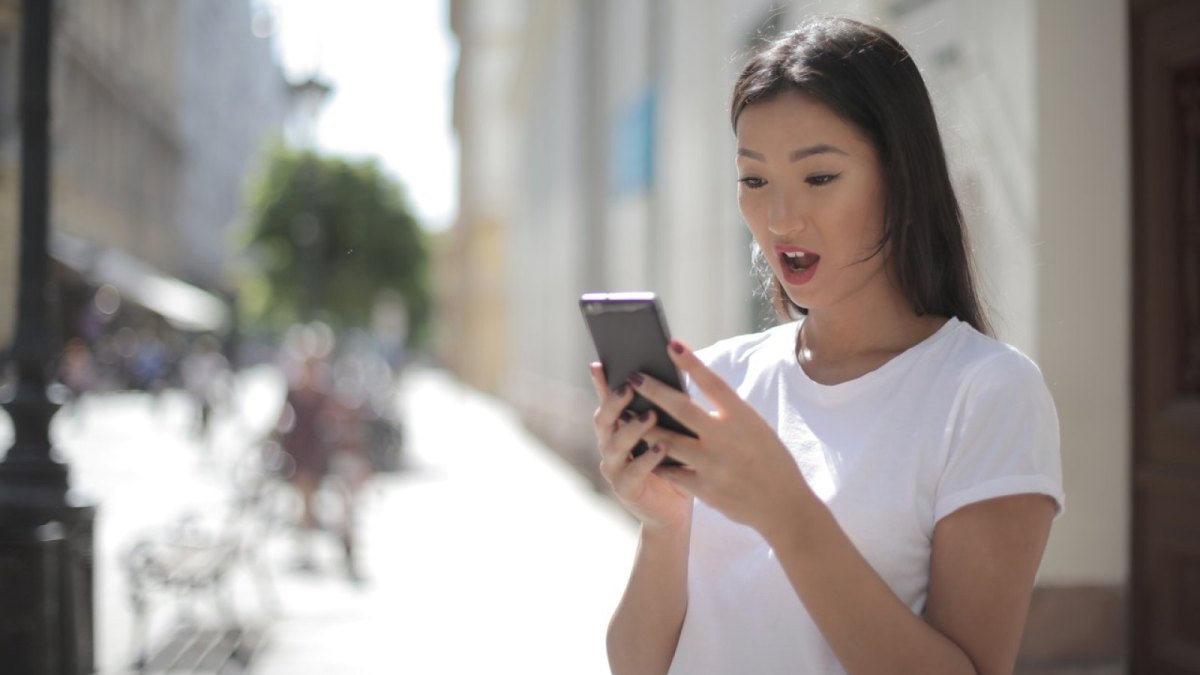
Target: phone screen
{"points": [[630, 334]]}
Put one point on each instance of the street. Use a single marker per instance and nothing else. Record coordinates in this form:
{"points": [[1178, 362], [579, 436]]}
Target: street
{"points": [[484, 554]]}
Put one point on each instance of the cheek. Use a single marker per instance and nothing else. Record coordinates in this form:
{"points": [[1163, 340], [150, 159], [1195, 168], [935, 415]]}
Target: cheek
{"points": [[877, 203], [752, 213], [754, 205], [862, 220], [870, 227], [745, 202]]}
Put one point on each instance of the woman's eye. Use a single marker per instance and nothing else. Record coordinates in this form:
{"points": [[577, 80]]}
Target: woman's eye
{"points": [[821, 179], [752, 182]]}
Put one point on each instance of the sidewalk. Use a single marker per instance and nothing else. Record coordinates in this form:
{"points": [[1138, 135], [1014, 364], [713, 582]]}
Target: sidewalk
{"points": [[486, 555], [490, 556]]}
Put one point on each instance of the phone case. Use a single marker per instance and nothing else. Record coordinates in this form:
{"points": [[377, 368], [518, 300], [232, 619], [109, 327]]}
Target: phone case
{"points": [[630, 334]]}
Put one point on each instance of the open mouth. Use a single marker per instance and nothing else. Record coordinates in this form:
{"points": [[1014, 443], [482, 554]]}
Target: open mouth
{"points": [[798, 261]]}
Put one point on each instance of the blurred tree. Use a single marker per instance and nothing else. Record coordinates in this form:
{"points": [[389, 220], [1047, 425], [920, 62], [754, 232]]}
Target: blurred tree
{"points": [[329, 235]]}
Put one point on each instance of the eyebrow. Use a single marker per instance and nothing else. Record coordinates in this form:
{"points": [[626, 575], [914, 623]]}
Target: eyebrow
{"points": [[796, 155]]}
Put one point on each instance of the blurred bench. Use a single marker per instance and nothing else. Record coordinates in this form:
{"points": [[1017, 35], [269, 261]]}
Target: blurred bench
{"points": [[195, 559], [208, 651]]}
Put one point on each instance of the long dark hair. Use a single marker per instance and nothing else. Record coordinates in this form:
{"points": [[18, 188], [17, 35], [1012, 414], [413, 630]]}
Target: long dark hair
{"points": [[867, 78]]}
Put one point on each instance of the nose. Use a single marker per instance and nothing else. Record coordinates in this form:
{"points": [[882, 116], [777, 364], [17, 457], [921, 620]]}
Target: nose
{"points": [[785, 213]]}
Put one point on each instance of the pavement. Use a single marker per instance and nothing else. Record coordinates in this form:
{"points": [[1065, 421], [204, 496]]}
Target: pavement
{"points": [[486, 553]]}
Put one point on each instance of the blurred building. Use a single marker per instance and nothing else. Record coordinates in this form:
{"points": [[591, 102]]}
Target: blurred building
{"points": [[235, 100], [473, 259], [159, 109], [569, 183], [596, 154]]}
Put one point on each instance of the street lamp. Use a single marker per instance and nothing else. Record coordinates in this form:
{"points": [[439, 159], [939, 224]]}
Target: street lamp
{"points": [[45, 533], [306, 98]]}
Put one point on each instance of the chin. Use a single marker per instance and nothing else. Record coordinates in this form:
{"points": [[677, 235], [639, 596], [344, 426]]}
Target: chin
{"points": [[795, 308]]}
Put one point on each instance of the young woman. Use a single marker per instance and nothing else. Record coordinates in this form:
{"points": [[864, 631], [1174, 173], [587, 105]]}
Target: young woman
{"points": [[873, 482]]}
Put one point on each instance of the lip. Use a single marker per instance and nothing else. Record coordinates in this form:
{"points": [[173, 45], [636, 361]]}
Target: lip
{"points": [[796, 278]]}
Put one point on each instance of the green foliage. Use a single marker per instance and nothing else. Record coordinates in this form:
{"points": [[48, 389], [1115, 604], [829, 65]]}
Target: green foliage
{"points": [[329, 235]]}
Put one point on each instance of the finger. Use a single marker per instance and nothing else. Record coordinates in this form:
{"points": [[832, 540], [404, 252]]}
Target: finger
{"points": [[674, 402], [682, 477], [611, 407], [599, 381], [677, 446], [636, 471], [715, 388], [615, 452]]}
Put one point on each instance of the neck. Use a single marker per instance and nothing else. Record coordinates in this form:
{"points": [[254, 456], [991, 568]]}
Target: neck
{"points": [[862, 334]]}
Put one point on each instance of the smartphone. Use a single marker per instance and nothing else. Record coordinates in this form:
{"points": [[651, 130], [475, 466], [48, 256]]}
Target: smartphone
{"points": [[630, 333]]}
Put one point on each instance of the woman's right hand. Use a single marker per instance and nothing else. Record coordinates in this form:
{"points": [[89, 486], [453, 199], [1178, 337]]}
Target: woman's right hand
{"points": [[654, 501]]}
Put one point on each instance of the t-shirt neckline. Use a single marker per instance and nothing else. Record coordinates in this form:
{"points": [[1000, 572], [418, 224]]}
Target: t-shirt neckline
{"points": [[867, 379]]}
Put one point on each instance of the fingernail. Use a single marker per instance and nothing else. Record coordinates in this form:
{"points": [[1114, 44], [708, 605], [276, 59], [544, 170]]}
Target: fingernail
{"points": [[644, 416], [657, 448], [622, 390], [626, 416], [677, 346], [636, 379]]}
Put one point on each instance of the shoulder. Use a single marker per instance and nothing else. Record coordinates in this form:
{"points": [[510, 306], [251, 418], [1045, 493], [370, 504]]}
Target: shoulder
{"points": [[1002, 435], [745, 361], [741, 352], [997, 390], [986, 365]]}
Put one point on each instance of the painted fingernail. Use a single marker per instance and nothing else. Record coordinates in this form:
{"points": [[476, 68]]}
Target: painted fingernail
{"points": [[636, 379], [622, 390], [644, 416], [626, 416], [677, 346], [657, 448]]}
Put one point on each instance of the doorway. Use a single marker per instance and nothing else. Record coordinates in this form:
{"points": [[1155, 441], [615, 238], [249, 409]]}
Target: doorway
{"points": [[1165, 72]]}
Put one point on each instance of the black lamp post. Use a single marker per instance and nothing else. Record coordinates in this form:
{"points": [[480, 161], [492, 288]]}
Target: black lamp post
{"points": [[305, 100], [46, 604]]}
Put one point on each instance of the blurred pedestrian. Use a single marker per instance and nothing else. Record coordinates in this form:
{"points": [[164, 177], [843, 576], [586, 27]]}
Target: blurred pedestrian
{"points": [[77, 370], [872, 483], [350, 467], [150, 362], [307, 427], [205, 375], [324, 433], [78, 374]]}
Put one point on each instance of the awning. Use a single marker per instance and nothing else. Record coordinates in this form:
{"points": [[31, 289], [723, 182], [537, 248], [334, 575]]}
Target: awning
{"points": [[183, 305]]}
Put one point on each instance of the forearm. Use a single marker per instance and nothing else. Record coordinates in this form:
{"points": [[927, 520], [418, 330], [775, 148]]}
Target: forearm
{"points": [[864, 622], [645, 628]]}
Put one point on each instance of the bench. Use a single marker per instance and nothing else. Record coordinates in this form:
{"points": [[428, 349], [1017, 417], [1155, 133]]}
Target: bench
{"points": [[207, 651], [195, 558]]}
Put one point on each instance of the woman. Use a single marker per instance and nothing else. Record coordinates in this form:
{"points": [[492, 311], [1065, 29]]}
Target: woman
{"points": [[307, 428], [873, 484]]}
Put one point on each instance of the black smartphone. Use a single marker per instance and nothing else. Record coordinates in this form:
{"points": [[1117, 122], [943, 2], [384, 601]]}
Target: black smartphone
{"points": [[630, 333]]}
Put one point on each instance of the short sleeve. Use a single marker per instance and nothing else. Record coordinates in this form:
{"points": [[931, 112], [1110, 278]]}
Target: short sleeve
{"points": [[1002, 438]]}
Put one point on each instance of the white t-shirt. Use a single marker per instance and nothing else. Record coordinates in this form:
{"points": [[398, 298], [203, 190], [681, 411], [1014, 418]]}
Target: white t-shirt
{"points": [[956, 419]]}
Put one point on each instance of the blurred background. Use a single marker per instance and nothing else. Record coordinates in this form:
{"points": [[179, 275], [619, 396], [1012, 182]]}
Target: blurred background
{"points": [[397, 204]]}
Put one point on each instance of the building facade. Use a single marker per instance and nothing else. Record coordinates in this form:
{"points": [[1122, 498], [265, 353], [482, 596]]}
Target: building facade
{"points": [[599, 157], [117, 150], [472, 259], [158, 111], [234, 100]]}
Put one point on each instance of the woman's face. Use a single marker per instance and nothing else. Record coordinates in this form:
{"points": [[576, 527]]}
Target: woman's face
{"points": [[811, 189]]}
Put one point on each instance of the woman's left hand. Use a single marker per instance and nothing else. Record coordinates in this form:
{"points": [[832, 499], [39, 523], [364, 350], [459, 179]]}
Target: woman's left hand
{"points": [[737, 464]]}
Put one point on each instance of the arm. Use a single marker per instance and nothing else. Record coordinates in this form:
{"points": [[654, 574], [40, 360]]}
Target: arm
{"points": [[983, 564], [645, 628], [982, 569]]}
